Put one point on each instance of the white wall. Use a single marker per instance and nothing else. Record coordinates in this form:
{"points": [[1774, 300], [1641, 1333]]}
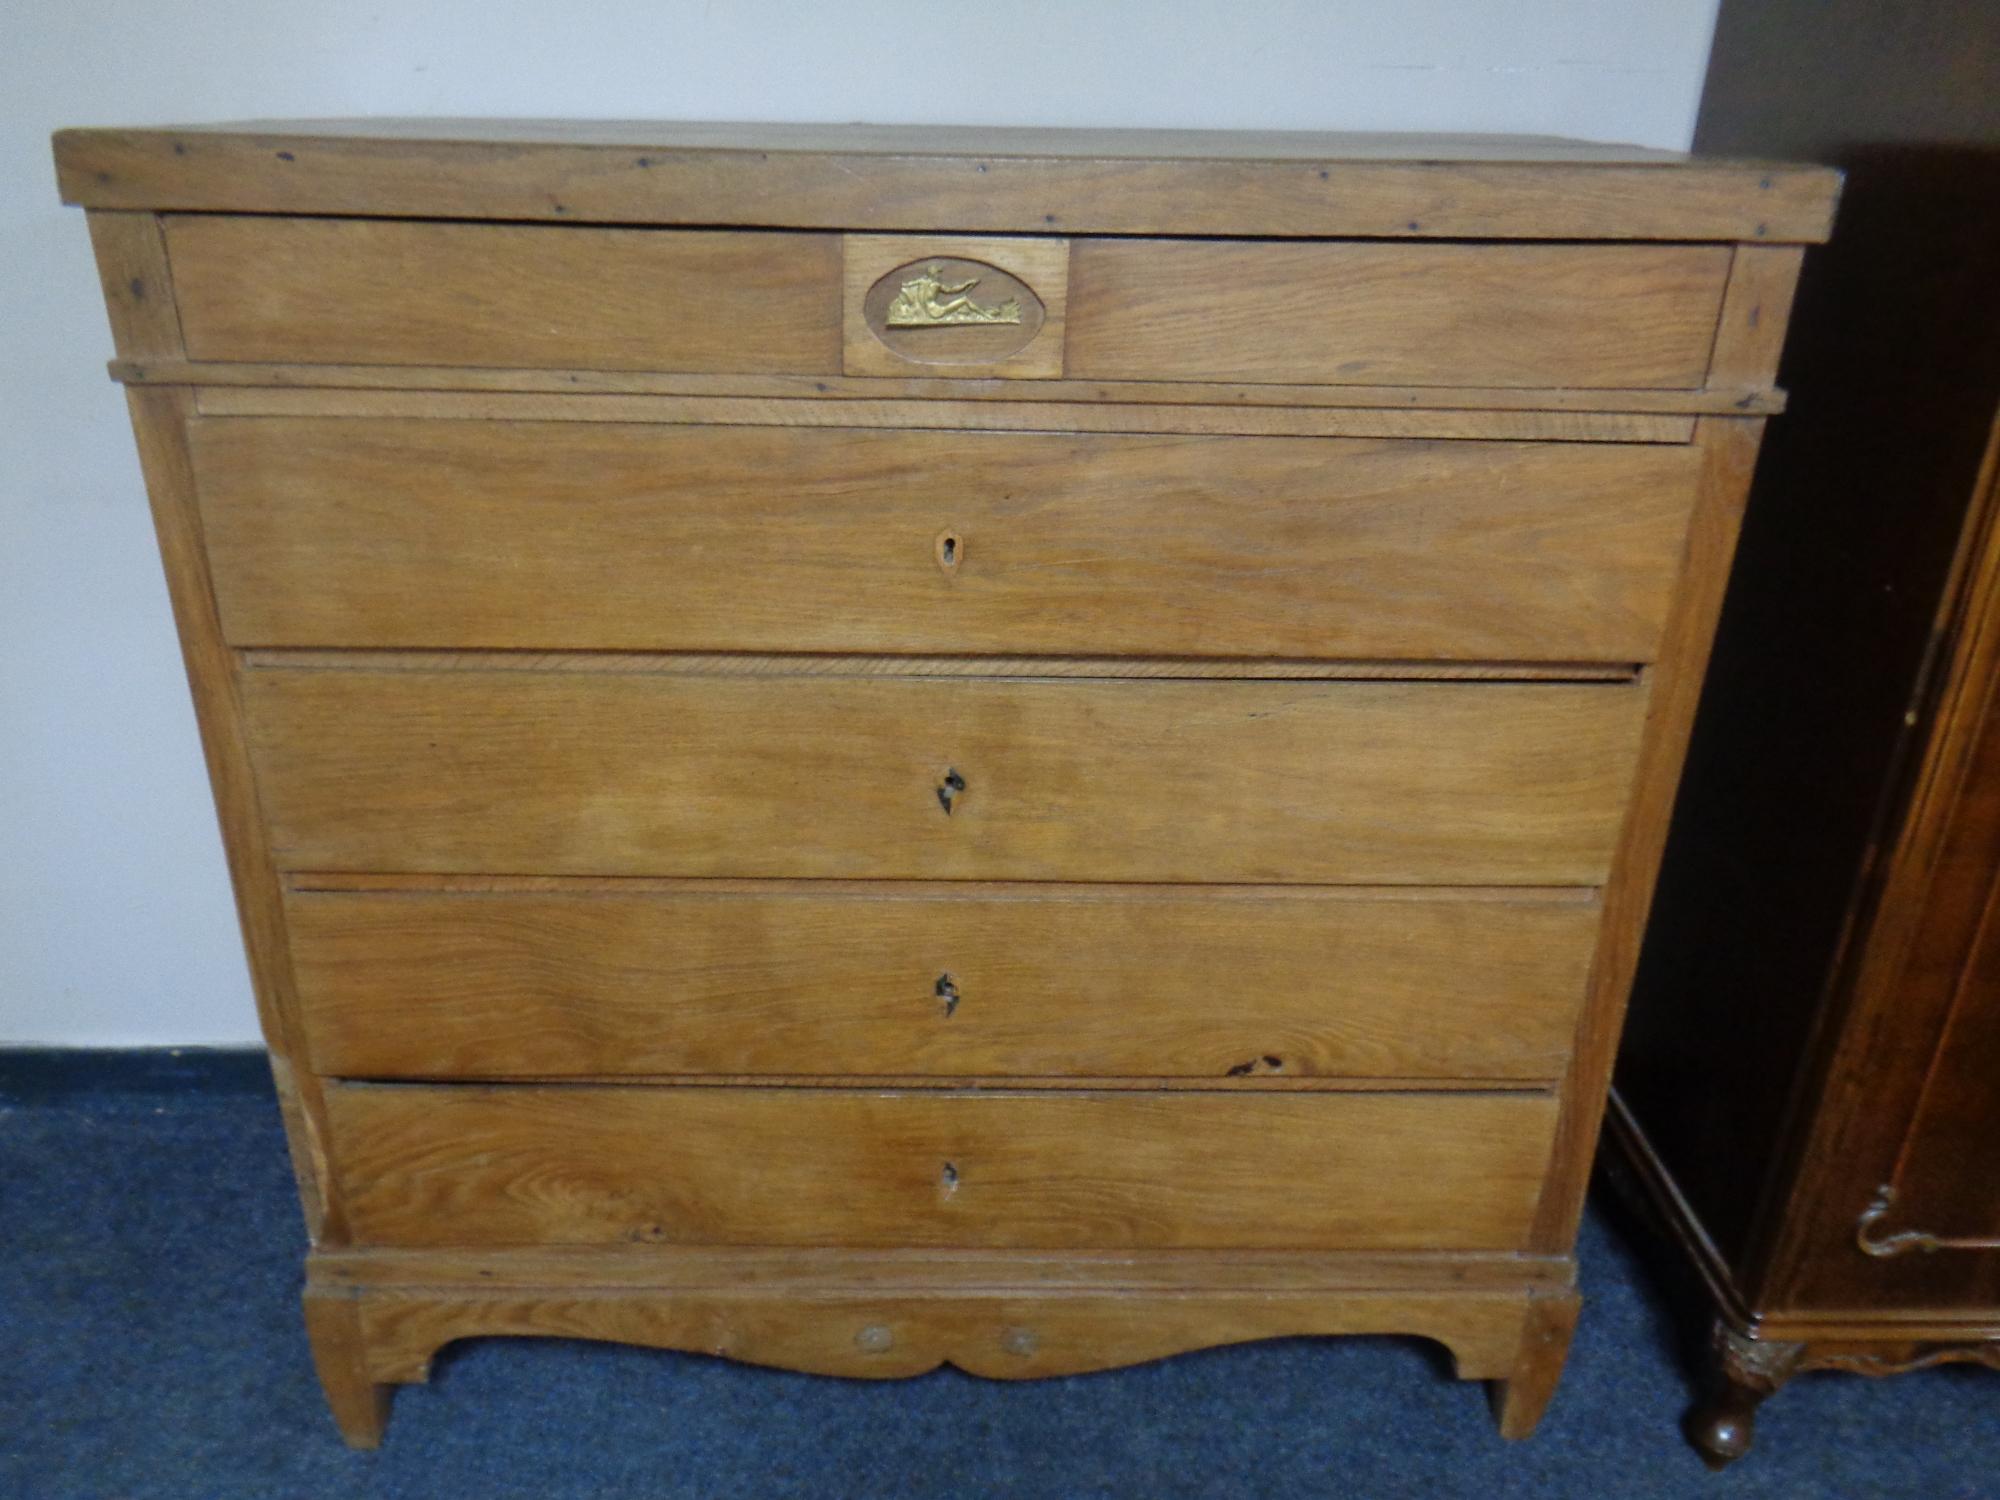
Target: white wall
{"points": [[116, 927]]}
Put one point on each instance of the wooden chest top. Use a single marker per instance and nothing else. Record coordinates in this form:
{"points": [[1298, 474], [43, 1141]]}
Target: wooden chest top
{"points": [[932, 179]]}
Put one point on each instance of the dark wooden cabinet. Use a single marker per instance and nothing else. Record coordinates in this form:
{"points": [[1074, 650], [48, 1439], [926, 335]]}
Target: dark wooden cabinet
{"points": [[1809, 1084]]}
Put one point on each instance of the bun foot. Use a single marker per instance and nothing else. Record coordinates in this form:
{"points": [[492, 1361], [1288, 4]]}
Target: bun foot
{"points": [[1722, 1426]]}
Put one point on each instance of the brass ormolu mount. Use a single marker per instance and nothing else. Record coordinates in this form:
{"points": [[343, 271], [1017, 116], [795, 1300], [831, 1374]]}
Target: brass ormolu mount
{"points": [[925, 301], [1909, 1239]]}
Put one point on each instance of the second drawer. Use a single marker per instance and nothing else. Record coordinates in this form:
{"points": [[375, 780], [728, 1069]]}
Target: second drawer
{"points": [[940, 981], [593, 536]]}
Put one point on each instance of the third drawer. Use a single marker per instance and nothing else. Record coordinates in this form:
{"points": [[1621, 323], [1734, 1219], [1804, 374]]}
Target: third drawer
{"points": [[492, 980]]}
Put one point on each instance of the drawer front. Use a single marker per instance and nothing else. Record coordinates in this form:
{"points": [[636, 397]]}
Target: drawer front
{"points": [[403, 292], [399, 292], [373, 533], [533, 771], [448, 1165], [914, 982], [1632, 316]]}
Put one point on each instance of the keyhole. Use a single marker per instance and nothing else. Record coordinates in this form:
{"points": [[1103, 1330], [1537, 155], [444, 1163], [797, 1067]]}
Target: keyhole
{"points": [[1268, 1063], [948, 1180], [947, 991], [949, 790], [950, 550]]}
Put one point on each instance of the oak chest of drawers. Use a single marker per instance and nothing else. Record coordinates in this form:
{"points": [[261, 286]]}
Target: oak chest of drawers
{"points": [[1043, 749]]}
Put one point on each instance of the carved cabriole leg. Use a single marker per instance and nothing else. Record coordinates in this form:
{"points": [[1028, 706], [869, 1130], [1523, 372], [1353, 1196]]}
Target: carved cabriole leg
{"points": [[1520, 1399], [360, 1405], [1724, 1424]]}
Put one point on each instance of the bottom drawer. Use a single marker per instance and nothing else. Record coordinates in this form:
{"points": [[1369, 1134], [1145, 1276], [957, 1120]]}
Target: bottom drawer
{"points": [[423, 1165]]}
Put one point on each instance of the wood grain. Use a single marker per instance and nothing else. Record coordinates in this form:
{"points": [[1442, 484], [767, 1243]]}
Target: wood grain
{"points": [[842, 388], [908, 873], [304, 1140], [1750, 334], [796, 664], [1729, 453], [1006, 1337], [807, 1274], [945, 179], [159, 422], [1023, 416], [1252, 1082], [1545, 315], [443, 1166], [356, 291], [1060, 982], [537, 535], [506, 772], [138, 287], [343, 1354], [1522, 1397]]}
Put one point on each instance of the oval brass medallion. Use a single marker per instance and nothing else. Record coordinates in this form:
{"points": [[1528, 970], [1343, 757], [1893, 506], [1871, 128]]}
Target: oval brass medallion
{"points": [[947, 311]]}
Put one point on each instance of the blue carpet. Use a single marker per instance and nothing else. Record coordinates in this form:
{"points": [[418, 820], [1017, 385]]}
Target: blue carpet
{"points": [[150, 1346]]}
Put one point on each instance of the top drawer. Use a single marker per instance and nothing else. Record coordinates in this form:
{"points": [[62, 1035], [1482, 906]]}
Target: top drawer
{"points": [[397, 292], [1327, 312], [390, 292]]}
